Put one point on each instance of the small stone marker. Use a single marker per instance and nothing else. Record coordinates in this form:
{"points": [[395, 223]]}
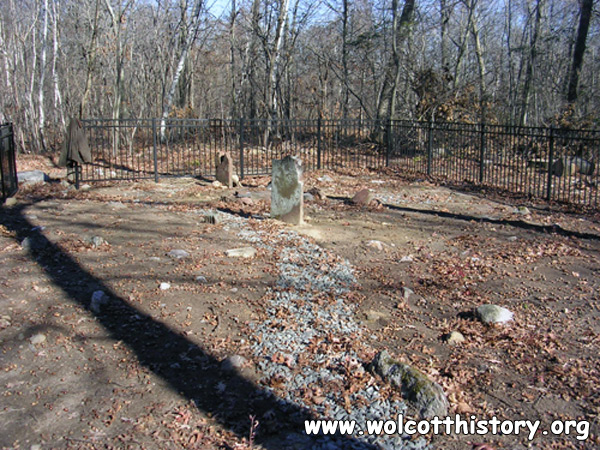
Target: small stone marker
{"points": [[225, 169], [362, 197], [287, 190]]}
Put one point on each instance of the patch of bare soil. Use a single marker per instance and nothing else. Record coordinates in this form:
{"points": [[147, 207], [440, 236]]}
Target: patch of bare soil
{"points": [[143, 369]]}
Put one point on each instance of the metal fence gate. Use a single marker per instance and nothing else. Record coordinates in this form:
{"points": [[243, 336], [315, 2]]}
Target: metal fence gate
{"points": [[547, 163], [8, 166]]}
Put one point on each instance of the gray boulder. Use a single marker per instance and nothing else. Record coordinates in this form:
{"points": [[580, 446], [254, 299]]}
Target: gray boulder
{"points": [[426, 395], [493, 314]]}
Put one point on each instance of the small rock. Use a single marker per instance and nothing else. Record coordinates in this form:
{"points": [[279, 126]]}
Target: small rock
{"points": [[165, 286], [97, 241], [245, 194], [511, 238], [5, 322], [37, 338], [35, 447], [246, 201], [316, 193], [154, 259], [326, 179], [116, 205], [217, 183], [464, 408], [491, 314], [454, 338], [407, 292], [244, 252], [308, 197], [178, 254], [408, 258], [85, 187], [212, 218], [374, 316], [99, 299], [522, 210], [362, 197], [233, 363], [377, 245], [426, 395], [33, 243], [10, 202], [201, 279]]}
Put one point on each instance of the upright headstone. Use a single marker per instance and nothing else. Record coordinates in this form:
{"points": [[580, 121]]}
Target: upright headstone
{"points": [[225, 169], [287, 190]]}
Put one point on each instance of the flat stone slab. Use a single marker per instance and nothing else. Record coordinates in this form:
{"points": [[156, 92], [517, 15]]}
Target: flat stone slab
{"points": [[426, 395], [32, 176], [243, 252]]}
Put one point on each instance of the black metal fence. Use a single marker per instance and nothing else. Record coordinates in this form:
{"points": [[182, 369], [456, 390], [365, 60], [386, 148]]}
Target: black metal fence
{"points": [[548, 163], [8, 166]]}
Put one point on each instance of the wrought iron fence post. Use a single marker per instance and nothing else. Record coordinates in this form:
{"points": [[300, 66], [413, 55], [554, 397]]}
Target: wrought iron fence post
{"points": [[482, 153], [429, 147], [550, 164], [77, 168], [319, 143], [241, 148], [154, 150], [388, 149]]}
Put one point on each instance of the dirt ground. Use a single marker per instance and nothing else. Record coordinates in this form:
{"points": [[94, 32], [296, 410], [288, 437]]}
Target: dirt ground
{"points": [[142, 371]]}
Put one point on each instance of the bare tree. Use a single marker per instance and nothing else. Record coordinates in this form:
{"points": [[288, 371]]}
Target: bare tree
{"points": [[580, 44]]}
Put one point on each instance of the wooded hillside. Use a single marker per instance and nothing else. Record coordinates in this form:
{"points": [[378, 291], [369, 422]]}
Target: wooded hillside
{"points": [[525, 62]]}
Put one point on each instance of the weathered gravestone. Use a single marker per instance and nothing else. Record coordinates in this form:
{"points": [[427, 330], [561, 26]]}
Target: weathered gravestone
{"points": [[225, 169], [287, 190]]}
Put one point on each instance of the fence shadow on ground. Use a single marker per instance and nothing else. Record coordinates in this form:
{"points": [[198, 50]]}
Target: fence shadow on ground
{"points": [[166, 352]]}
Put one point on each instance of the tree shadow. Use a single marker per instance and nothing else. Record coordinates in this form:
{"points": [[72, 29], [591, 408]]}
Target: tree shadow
{"points": [[556, 229], [187, 368]]}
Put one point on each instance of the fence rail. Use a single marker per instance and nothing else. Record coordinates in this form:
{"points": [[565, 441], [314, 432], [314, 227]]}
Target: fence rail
{"points": [[8, 167], [547, 163]]}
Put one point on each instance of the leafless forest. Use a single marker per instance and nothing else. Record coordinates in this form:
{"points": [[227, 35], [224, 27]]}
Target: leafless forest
{"points": [[522, 62]]}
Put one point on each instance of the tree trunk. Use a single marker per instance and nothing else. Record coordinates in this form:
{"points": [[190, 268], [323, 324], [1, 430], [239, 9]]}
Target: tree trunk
{"points": [[480, 65], [42, 80], [232, 70], [193, 27], [386, 108], [58, 104], [531, 63], [345, 70], [582, 33], [91, 62]]}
